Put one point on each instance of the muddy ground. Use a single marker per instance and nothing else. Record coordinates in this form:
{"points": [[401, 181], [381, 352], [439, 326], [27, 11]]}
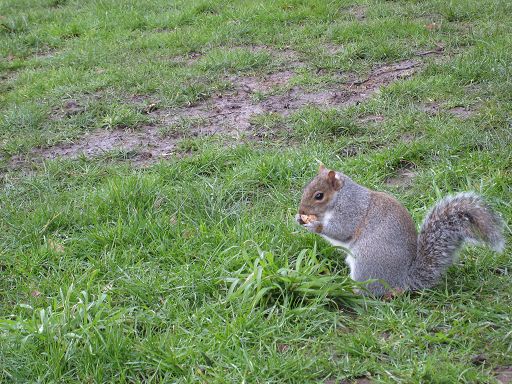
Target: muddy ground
{"points": [[231, 113]]}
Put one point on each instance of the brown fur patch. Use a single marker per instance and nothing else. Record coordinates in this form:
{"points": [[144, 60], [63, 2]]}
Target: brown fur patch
{"points": [[321, 183], [362, 225]]}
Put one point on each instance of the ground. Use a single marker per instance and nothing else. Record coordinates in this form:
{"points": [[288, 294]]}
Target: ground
{"points": [[152, 157]]}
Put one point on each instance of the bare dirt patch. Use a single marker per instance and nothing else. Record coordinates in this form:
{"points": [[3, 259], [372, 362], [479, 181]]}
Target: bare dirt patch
{"points": [[252, 84], [69, 108], [430, 108], [371, 119], [408, 137], [437, 50], [193, 56], [47, 54], [404, 176], [333, 49], [386, 74], [9, 75], [231, 112], [146, 143], [434, 108], [461, 112], [228, 113], [349, 151], [358, 12], [503, 374]]}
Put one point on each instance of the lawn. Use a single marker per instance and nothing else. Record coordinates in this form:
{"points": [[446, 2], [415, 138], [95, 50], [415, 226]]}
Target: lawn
{"points": [[152, 159]]}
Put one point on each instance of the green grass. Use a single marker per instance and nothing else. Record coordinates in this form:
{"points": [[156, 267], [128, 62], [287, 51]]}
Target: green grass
{"points": [[192, 269]]}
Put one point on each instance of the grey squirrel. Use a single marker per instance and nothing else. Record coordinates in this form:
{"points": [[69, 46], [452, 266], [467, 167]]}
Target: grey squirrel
{"points": [[381, 236]]}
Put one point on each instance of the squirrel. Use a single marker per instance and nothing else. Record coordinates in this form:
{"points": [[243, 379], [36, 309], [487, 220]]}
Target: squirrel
{"points": [[381, 237]]}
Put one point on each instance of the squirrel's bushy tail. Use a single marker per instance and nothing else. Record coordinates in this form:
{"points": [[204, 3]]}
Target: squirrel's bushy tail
{"points": [[455, 220]]}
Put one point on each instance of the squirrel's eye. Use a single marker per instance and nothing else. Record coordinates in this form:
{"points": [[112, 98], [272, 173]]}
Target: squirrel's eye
{"points": [[319, 196]]}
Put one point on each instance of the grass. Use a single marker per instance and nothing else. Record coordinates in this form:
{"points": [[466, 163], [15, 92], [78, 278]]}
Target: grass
{"points": [[192, 269]]}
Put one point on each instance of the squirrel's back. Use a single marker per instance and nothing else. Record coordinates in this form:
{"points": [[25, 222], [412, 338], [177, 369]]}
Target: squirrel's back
{"points": [[386, 245]]}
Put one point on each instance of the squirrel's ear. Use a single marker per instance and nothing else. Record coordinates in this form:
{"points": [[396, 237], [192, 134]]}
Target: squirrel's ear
{"points": [[321, 168], [334, 180]]}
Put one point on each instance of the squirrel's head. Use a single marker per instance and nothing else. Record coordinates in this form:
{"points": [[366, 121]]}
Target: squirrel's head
{"points": [[320, 192]]}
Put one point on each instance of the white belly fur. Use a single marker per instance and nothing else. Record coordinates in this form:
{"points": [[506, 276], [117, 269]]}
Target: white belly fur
{"points": [[336, 243], [351, 262]]}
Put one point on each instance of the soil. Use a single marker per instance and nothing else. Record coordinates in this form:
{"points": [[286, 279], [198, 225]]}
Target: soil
{"points": [[430, 108], [438, 50], [435, 108], [503, 374], [461, 112], [404, 175], [228, 114], [408, 137], [235, 109], [146, 142], [403, 178], [358, 12], [371, 119], [349, 151]]}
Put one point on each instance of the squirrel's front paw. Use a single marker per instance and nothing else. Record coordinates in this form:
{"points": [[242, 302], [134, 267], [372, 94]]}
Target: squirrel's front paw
{"points": [[314, 226], [310, 222]]}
